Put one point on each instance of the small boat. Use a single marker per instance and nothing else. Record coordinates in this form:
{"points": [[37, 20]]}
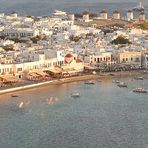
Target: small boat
{"points": [[75, 94], [21, 105], [138, 78], [122, 84], [89, 82], [58, 12], [13, 95], [140, 90], [116, 81]]}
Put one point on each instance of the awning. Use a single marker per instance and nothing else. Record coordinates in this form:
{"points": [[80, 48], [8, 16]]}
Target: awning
{"points": [[9, 78], [33, 74], [41, 73], [55, 71]]}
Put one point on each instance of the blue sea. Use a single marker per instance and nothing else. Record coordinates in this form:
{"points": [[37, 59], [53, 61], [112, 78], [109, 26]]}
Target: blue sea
{"points": [[104, 116], [46, 7]]}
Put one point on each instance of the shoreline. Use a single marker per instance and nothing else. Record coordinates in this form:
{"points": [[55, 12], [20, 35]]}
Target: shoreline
{"points": [[50, 82], [100, 76]]}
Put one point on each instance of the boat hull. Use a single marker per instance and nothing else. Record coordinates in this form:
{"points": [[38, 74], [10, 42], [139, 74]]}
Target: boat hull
{"points": [[120, 85], [140, 90]]}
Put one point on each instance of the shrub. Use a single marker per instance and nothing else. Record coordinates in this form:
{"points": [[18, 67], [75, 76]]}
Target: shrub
{"points": [[120, 40]]}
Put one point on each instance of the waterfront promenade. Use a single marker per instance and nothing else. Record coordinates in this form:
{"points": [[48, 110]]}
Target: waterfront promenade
{"points": [[100, 76]]}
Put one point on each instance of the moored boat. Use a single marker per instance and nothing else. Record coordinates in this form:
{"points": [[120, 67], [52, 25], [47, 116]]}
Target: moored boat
{"points": [[139, 78], [116, 81], [122, 84], [140, 90], [75, 94], [89, 82], [58, 12], [13, 95]]}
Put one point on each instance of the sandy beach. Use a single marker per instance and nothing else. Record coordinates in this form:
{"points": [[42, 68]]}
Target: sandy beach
{"points": [[100, 76]]}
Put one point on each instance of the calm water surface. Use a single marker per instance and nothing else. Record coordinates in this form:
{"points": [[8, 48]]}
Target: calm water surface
{"points": [[104, 116], [46, 7]]}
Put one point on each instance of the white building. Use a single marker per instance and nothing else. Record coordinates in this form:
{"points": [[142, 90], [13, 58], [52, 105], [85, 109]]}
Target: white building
{"points": [[71, 17], [13, 14], [59, 13], [20, 33], [2, 14], [101, 58], [6, 42], [86, 18], [130, 15], [142, 16], [116, 14], [130, 57], [104, 14], [34, 62]]}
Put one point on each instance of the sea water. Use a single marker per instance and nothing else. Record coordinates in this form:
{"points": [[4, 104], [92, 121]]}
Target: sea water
{"points": [[46, 7], [104, 116]]}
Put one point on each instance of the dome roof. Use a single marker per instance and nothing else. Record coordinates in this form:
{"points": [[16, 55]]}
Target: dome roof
{"points": [[129, 11], [104, 11], [69, 55], [116, 11], [13, 12]]}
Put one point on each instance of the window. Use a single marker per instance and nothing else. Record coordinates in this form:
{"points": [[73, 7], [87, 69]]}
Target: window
{"points": [[137, 60], [19, 69], [49, 64]]}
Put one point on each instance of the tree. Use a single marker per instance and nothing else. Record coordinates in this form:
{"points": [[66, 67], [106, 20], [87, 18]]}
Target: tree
{"points": [[120, 40], [78, 15], [35, 39], [8, 48], [74, 38], [2, 37]]}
